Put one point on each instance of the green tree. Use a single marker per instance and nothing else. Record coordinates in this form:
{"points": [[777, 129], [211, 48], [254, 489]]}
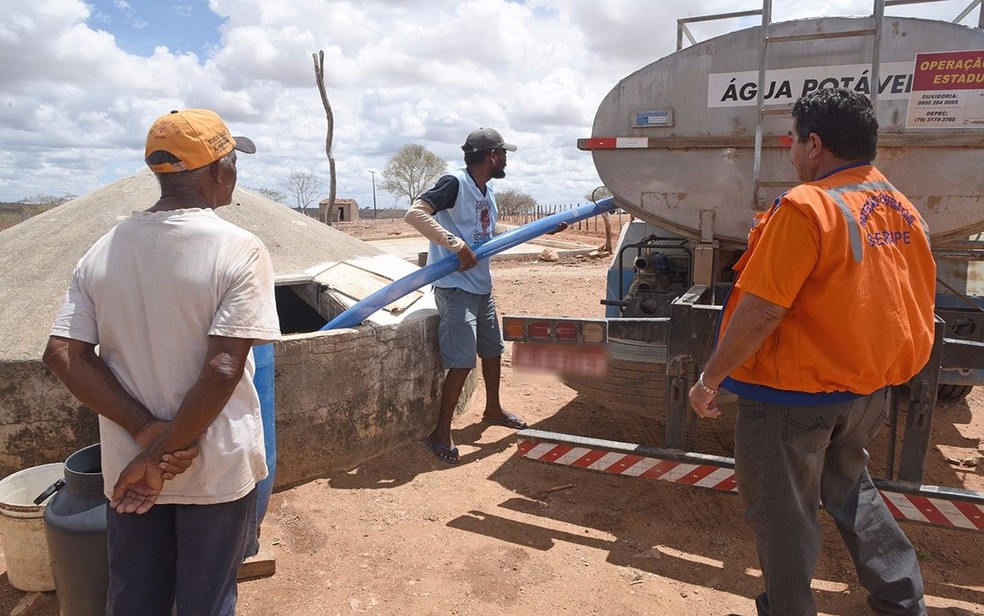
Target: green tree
{"points": [[513, 202], [411, 171]]}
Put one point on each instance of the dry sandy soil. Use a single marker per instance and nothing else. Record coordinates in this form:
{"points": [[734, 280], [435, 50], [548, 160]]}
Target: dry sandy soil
{"points": [[407, 534]]}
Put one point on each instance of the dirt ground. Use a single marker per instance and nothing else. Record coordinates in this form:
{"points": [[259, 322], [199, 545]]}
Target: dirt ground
{"points": [[406, 534]]}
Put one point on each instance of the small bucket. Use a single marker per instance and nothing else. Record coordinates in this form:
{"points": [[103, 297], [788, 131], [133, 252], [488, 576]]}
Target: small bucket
{"points": [[24, 546]]}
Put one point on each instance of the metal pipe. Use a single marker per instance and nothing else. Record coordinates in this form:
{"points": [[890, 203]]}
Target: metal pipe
{"points": [[760, 100], [879, 16]]}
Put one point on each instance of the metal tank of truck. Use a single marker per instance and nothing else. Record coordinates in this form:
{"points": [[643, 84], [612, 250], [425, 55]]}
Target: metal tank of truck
{"points": [[697, 143]]}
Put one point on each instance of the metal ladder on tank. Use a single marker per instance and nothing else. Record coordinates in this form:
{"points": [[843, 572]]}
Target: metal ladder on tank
{"points": [[878, 17], [878, 14]]}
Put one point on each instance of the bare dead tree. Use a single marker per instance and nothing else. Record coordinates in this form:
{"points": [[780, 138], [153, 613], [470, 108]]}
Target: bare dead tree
{"points": [[600, 193], [606, 218], [270, 193], [304, 187], [319, 77]]}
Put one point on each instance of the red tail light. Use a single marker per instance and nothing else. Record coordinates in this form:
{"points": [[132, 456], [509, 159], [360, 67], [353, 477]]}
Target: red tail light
{"points": [[538, 330], [566, 331]]}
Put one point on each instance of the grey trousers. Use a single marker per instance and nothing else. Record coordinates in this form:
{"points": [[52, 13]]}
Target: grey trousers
{"points": [[787, 460], [178, 556]]}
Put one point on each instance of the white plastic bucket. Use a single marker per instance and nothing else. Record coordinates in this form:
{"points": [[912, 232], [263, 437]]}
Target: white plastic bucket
{"points": [[24, 546]]}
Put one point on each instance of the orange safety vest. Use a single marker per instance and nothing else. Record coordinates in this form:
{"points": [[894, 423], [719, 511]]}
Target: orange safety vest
{"points": [[863, 317]]}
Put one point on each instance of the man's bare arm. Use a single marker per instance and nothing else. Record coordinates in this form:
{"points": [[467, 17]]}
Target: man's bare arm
{"points": [[222, 370], [753, 322], [88, 378], [91, 381], [140, 483], [420, 216]]}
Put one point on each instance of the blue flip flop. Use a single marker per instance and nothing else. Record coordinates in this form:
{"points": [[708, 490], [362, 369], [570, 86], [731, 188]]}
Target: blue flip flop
{"points": [[448, 455], [508, 420]]}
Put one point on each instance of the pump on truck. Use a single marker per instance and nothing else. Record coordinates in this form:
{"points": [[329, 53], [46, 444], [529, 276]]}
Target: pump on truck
{"points": [[693, 146]]}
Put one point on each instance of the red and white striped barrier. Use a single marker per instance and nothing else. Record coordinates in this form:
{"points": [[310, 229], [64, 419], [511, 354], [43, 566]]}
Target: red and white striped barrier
{"points": [[935, 511], [944, 507], [700, 475]]}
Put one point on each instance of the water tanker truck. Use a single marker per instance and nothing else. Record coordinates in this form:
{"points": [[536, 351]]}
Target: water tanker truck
{"points": [[697, 143]]}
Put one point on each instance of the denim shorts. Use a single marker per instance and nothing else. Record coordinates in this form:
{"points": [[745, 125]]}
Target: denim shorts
{"points": [[469, 326]]}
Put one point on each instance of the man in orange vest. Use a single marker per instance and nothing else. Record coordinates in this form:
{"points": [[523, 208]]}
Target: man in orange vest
{"points": [[833, 303]]}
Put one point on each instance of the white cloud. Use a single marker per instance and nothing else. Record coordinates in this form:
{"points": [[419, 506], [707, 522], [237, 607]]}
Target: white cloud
{"points": [[75, 107]]}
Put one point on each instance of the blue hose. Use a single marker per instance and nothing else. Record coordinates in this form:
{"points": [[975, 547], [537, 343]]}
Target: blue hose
{"points": [[439, 269]]}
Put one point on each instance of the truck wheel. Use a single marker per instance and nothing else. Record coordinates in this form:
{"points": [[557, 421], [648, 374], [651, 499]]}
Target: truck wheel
{"points": [[634, 384], [953, 392]]}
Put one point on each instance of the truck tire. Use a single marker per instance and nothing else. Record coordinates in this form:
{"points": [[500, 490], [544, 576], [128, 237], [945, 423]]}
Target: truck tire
{"points": [[634, 384], [953, 392]]}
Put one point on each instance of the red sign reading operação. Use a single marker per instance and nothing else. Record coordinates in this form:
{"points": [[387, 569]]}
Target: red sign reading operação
{"points": [[949, 70]]}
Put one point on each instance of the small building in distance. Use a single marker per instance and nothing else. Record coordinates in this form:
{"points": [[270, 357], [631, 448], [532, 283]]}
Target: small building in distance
{"points": [[346, 210]]}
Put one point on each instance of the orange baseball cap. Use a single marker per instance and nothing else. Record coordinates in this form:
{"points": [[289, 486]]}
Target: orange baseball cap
{"points": [[195, 137]]}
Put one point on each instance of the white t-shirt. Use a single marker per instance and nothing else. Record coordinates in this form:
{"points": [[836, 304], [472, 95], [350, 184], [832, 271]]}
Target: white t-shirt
{"points": [[149, 293]]}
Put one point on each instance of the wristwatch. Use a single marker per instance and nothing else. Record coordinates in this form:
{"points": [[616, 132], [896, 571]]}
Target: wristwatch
{"points": [[700, 383]]}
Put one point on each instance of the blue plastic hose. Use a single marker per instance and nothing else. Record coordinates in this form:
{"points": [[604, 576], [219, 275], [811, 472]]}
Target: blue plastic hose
{"points": [[439, 269]]}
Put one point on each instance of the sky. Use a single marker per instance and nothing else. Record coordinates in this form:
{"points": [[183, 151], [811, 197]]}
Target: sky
{"points": [[81, 82]]}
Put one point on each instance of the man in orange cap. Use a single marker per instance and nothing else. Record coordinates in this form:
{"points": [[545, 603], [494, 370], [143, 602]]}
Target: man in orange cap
{"points": [[175, 298]]}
